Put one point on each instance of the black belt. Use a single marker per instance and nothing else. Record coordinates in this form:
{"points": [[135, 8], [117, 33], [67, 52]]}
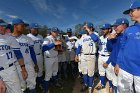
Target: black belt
{"points": [[89, 54], [105, 55], [2, 68], [38, 54], [51, 57]]}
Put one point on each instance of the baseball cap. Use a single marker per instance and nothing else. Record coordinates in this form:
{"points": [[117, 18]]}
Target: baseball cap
{"points": [[18, 21], [3, 23], [9, 26], [106, 26], [134, 5], [69, 30], [89, 24], [55, 29], [121, 21], [33, 25]]}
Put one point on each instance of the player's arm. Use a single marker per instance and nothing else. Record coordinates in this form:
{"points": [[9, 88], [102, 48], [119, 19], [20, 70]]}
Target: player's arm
{"points": [[16, 48], [47, 45], [119, 59], [2, 85], [120, 54], [94, 37], [20, 59], [78, 50], [105, 65], [32, 53], [110, 43]]}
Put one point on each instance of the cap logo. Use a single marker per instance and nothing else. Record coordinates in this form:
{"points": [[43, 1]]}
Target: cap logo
{"points": [[131, 5], [123, 21]]}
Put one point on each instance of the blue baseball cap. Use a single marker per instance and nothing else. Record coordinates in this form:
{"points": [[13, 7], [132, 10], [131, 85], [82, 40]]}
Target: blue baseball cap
{"points": [[79, 33], [3, 23], [89, 24], [106, 26], [18, 21], [121, 21], [134, 5], [33, 25], [55, 29], [69, 30]]}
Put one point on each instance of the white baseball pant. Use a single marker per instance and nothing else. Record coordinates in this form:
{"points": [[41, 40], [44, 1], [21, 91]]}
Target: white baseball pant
{"points": [[51, 67], [126, 81]]}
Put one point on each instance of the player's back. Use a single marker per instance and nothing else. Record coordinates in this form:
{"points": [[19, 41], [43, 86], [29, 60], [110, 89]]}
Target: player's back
{"points": [[7, 55], [38, 40]]}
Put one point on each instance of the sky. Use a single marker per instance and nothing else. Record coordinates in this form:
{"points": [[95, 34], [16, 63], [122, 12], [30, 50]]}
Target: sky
{"points": [[64, 13]]}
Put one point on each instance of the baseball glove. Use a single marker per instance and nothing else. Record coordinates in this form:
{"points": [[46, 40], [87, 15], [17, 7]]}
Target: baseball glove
{"points": [[76, 59]]}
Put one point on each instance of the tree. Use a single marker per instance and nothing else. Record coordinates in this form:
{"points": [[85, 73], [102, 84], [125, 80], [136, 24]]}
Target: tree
{"points": [[78, 28]]}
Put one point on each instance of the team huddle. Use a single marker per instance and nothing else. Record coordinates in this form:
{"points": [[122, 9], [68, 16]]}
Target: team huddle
{"points": [[28, 61]]}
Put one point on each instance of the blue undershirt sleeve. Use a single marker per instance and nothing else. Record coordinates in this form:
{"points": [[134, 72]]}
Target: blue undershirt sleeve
{"points": [[18, 54], [47, 47], [33, 55]]}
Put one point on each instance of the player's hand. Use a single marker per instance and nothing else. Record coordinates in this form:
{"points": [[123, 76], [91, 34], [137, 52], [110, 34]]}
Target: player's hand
{"points": [[2, 86], [24, 73], [76, 58], [36, 68], [111, 36], [116, 69], [105, 65], [58, 42], [86, 28]]}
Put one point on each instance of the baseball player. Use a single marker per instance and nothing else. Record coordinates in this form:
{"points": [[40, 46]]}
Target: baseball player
{"points": [[50, 57], [27, 50], [38, 40], [79, 56], [113, 45], [88, 47], [70, 53], [8, 29], [10, 53], [128, 64], [62, 58], [103, 57]]}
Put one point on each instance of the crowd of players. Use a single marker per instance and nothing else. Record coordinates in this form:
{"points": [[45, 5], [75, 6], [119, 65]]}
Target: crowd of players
{"points": [[114, 55]]}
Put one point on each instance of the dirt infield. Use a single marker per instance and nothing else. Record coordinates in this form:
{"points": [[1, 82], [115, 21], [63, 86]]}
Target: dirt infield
{"points": [[78, 86]]}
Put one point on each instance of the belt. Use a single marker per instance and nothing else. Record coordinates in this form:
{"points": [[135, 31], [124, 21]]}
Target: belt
{"points": [[38, 54], [2, 68], [105, 55], [89, 54], [51, 57]]}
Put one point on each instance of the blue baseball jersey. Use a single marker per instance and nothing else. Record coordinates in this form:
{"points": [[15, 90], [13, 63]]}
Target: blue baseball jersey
{"points": [[129, 55], [113, 46]]}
